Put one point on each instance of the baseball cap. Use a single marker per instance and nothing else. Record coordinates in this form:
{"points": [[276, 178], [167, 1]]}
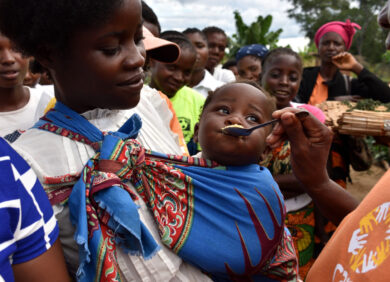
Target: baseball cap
{"points": [[160, 49]]}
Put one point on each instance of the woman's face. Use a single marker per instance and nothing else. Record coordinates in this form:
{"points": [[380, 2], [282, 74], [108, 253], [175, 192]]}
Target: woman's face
{"points": [[202, 50], [330, 45], [13, 66], [103, 65], [249, 67], [384, 21]]}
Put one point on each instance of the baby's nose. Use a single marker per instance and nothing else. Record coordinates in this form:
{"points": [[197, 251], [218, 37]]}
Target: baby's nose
{"points": [[233, 119]]}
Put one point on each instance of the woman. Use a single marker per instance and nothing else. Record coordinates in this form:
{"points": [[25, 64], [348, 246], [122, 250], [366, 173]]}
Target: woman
{"points": [[326, 82]]}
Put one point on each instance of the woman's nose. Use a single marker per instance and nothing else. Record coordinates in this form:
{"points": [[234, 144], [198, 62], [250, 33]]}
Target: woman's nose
{"points": [[178, 75], [135, 57], [7, 57]]}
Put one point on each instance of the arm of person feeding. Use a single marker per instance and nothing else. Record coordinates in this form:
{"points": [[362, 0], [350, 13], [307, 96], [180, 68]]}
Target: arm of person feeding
{"points": [[310, 142]]}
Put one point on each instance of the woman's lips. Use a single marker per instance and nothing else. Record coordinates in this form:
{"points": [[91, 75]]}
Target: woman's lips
{"points": [[134, 83], [9, 75]]}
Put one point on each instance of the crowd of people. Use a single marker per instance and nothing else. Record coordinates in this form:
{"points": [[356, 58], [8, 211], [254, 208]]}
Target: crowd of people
{"points": [[117, 162]]}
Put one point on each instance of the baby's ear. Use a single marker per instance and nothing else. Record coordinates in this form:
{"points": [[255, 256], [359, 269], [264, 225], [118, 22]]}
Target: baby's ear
{"points": [[196, 130]]}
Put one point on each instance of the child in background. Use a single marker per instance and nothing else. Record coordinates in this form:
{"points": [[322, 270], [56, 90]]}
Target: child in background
{"points": [[249, 59], [20, 106], [201, 80], [31, 79], [231, 64], [171, 79], [150, 20], [217, 42], [282, 73]]}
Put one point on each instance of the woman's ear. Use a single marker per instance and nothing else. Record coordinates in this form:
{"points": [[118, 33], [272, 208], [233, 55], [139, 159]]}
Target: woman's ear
{"points": [[196, 131]]}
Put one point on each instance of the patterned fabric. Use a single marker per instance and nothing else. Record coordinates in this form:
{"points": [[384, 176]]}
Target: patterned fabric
{"points": [[300, 223], [179, 191], [28, 227], [256, 50]]}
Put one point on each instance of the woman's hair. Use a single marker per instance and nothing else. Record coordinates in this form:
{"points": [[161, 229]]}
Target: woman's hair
{"points": [[271, 55], [193, 30], [150, 16], [32, 24], [229, 63], [178, 38], [271, 101], [213, 29]]}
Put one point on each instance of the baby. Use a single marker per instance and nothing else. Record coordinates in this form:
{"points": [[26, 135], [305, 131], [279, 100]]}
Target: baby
{"points": [[242, 104]]}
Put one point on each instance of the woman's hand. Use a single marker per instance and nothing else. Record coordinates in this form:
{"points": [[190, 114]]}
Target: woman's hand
{"points": [[310, 143], [345, 61]]}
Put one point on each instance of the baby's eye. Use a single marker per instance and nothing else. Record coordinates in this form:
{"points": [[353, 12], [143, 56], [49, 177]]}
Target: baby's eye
{"points": [[252, 118], [223, 111]]}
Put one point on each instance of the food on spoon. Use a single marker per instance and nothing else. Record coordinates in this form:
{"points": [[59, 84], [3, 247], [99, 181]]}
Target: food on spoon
{"points": [[230, 126]]}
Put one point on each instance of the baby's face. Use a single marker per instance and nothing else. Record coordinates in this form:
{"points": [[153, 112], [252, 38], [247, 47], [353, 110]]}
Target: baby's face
{"points": [[240, 104]]}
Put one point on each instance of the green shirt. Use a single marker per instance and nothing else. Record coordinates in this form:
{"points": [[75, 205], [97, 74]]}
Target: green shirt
{"points": [[187, 104]]}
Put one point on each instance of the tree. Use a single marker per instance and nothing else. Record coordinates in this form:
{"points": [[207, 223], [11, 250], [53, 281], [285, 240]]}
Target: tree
{"points": [[368, 42], [257, 32]]}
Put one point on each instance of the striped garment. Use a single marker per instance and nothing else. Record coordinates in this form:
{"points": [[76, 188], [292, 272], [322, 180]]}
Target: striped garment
{"points": [[28, 226]]}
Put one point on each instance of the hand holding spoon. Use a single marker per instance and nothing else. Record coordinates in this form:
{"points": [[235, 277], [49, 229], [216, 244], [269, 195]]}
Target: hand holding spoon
{"points": [[237, 130]]}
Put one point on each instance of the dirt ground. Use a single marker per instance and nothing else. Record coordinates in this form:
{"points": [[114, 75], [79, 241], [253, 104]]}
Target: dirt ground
{"points": [[363, 181]]}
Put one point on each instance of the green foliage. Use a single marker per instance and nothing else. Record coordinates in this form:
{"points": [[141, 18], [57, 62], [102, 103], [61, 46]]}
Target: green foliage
{"points": [[368, 42], [257, 32]]}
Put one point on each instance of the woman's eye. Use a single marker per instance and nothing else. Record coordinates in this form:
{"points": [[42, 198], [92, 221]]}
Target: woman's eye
{"points": [[223, 111], [139, 39], [110, 51], [274, 75]]}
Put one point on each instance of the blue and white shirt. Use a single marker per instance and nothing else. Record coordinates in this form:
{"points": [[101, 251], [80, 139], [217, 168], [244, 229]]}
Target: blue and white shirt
{"points": [[28, 227]]}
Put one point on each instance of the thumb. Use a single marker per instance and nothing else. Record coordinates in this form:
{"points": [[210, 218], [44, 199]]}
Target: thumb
{"points": [[292, 127]]}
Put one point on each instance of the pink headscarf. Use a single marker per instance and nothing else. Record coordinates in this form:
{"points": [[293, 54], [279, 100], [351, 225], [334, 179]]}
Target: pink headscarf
{"points": [[345, 30]]}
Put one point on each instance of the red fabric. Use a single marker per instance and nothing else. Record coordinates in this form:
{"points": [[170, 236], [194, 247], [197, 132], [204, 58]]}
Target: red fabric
{"points": [[345, 29]]}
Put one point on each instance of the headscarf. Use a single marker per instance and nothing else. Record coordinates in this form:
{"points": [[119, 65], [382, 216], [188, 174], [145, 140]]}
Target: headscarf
{"points": [[257, 50], [345, 29]]}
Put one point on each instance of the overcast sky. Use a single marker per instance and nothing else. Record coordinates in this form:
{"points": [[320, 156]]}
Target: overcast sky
{"points": [[180, 14]]}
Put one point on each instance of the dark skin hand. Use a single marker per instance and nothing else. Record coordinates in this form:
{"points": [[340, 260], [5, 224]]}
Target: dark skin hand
{"points": [[48, 267], [289, 185], [310, 143]]}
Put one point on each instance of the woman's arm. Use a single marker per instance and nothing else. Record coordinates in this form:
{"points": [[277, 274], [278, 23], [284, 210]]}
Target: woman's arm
{"points": [[48, 267], [367, 85], [289, 185], [310, 143]]}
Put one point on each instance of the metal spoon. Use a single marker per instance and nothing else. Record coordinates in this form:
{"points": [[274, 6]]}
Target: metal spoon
{"points": [[239, 131]]}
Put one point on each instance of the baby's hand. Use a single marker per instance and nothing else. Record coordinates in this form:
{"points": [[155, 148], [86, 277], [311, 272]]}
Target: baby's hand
{"points": [[345, 61]]}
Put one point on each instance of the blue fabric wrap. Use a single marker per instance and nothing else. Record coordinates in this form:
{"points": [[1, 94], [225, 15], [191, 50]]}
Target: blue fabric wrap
{"points": [[216, 188], [124, 218]]}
